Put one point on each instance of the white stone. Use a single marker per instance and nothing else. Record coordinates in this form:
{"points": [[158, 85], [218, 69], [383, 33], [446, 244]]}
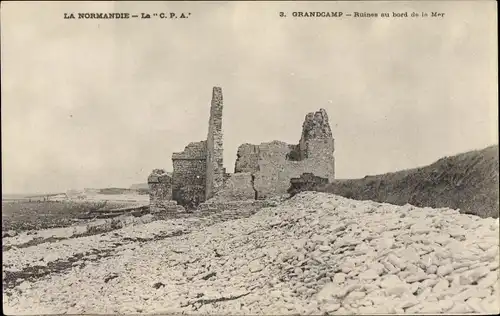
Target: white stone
{"points": [[420, 229], [442, 239], [384, 243], [330, 307], [426, 292], [426, 261], [475, 305], [371, 287], [470, 291], [390, 267], [494, 265], [414, 309], [390, 281], [444, 270], [326, 293], [432, 269], [354, 296], [410, 254], [474, 275], [339, 277], [430, 308], [491, 305], [255, 266], [489, 280], [417, 277], [377, 267], [395, 261], [491, 254], [428, 283], [398, 290], [460, 308], [369, 274], [366, 310], [408, 301], [440, 286], [324, 248], [366, 302]]}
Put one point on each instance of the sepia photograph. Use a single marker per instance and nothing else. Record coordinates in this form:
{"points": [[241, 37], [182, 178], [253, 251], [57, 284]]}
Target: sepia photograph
{"points": [[250, 157]]}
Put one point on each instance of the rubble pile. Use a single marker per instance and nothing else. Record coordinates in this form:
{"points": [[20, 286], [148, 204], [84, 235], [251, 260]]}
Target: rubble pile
{"points": [[315, 253]]}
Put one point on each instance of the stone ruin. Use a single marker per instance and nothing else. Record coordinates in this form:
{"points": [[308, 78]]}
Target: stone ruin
{"points": [[268, 167], [306, 182], [198, 170], [261, 171], [160, 193]]}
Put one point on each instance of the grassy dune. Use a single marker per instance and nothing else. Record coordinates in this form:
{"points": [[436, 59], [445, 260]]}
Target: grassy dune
{"points": [[467, 181]]}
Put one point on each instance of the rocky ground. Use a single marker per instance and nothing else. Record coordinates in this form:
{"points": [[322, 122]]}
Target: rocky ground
{"points": [[312, 254]]}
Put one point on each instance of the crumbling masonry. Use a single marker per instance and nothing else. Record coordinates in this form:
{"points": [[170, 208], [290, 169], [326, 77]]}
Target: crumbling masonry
{"points": [[267, 168], [198, 170], [261, 171], [215, 168]]}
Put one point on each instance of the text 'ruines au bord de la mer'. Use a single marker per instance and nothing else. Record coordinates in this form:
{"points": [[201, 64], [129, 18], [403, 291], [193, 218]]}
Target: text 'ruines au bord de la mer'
{"points": [[340, 14]]}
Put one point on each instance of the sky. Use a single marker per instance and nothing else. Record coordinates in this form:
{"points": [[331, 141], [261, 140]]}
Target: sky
{"points": [[100, 103]]}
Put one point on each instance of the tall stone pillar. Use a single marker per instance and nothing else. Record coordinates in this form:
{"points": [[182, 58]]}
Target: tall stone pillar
{"points": [[215, 170], [317, 141]]}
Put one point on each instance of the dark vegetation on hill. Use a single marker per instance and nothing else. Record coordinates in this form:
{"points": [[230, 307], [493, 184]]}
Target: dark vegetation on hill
{"points": [[24, 215], [115, 191], [467, 181]]}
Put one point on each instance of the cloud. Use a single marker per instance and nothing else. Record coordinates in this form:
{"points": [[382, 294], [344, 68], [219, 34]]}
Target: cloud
{"points": [[95, 103]]}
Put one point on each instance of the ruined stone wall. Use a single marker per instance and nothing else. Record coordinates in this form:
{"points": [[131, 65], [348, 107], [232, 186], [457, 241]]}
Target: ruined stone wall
{"points": [[160, 193], [198, 170], [238, 187], [214, 168], [189, 177], [247, 158], [275, 171], [261, 170], [316, 140], [273, 164], [160, 189]]}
